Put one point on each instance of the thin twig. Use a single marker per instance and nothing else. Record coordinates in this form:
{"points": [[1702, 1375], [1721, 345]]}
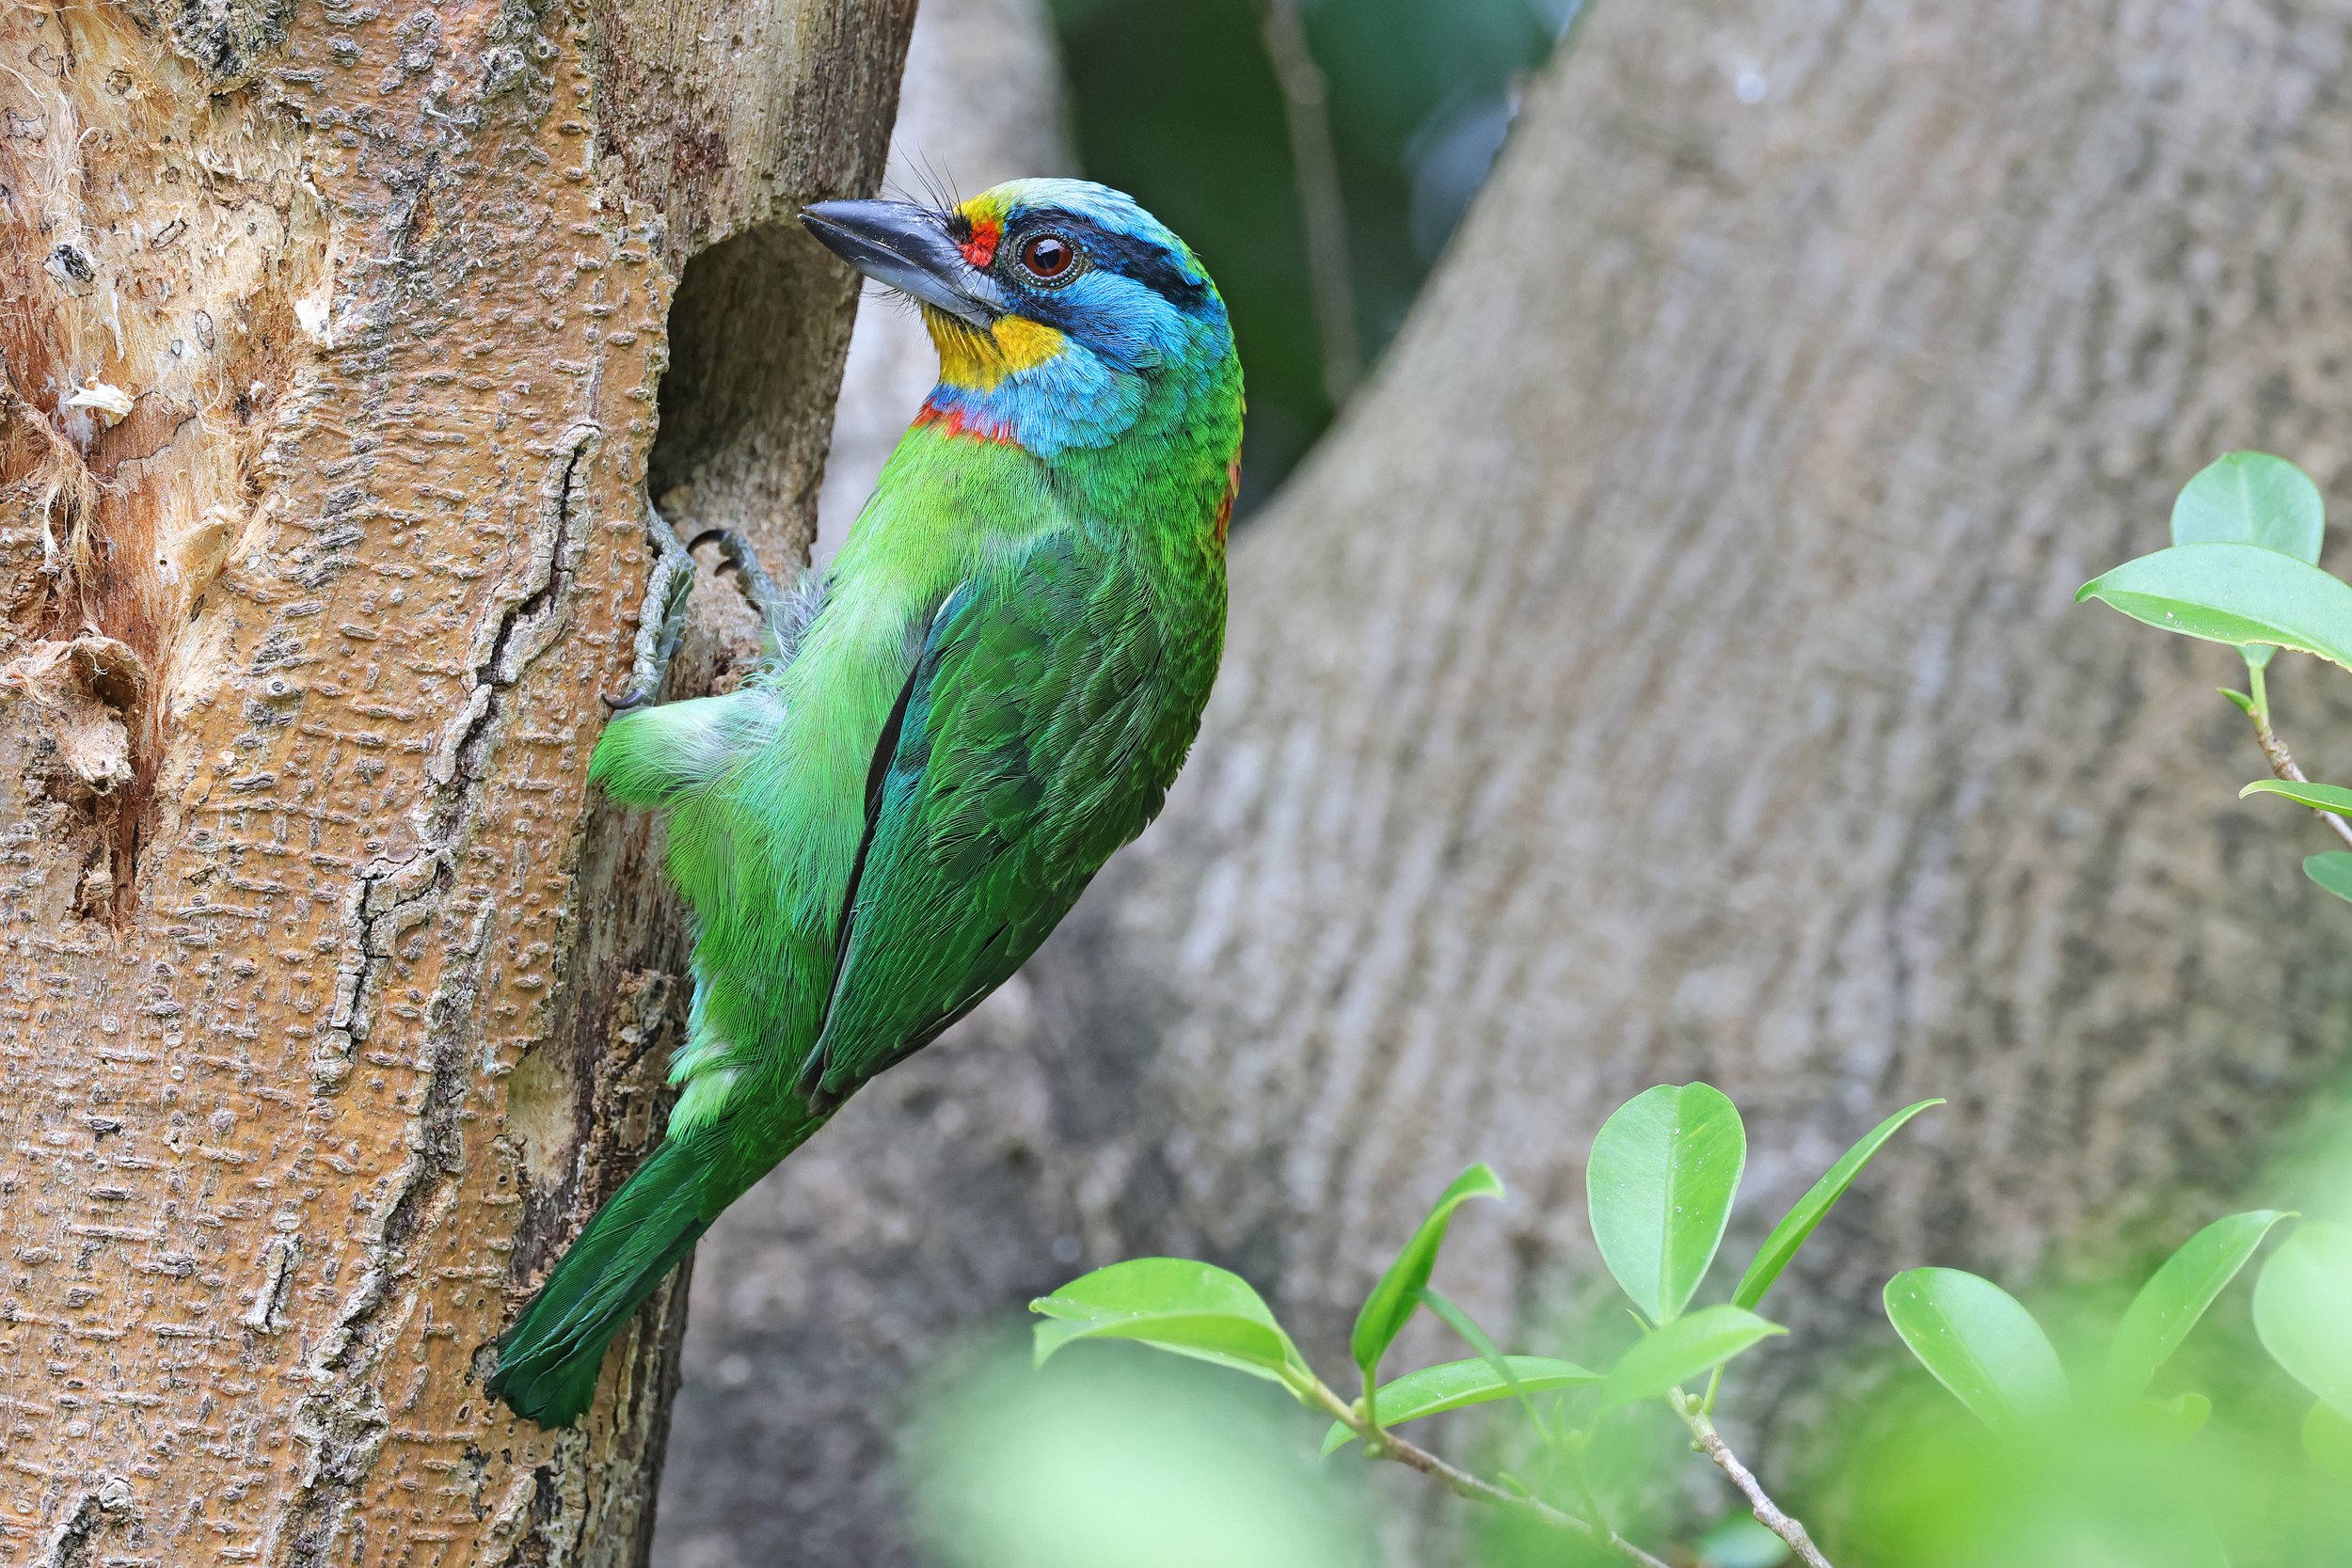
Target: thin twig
{"points": [[1383, 1444], [1322, 209], [1768, 1512], [1465, 1484], [2282, 763]]}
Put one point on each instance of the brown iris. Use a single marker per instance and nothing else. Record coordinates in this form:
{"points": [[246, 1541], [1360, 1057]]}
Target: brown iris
{"points": [[1048, 257]]}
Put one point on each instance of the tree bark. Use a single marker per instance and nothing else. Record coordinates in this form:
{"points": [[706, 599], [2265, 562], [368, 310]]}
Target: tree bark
{"points": [[332, 338], [1669, 670]]}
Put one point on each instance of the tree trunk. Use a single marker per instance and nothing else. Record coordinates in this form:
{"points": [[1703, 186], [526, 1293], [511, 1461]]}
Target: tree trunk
{"points": [[1669, 670], [332, 338]]}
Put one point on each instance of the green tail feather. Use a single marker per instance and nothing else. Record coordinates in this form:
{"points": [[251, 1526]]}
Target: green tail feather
{"points": [[548, 1362]]}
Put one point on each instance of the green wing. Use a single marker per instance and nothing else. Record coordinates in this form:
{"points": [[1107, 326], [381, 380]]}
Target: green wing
{"points": [[1039, 732]]}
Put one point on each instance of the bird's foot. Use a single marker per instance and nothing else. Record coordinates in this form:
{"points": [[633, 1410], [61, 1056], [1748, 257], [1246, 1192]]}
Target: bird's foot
{"points": [[661, 619], [737, 555]]}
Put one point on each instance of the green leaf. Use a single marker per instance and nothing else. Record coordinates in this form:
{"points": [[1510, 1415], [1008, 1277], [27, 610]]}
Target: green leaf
{"points": [[2332, 871], [2177, 1294], [2251, 497], [2303, 1310], [1488, 1352], [1459, 1383], [1980, 1343], [2235, 593], [2319, 797], [1790, 1233], [2327, 1439], [1176, 1305], [1156, 1285], [1739, 1541], [1227, 1341], [1682, 1350], [1658, 1186], [2173, 1421], [1391, 1301]]}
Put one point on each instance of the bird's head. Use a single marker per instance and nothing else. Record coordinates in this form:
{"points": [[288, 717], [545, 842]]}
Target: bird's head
{"points": [[1065, 315]]}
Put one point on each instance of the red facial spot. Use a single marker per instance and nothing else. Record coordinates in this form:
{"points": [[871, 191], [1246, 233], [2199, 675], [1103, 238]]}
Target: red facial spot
{"points": [[980, 249]]}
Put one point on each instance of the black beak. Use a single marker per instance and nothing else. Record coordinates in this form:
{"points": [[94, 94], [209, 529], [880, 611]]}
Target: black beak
{"points": [[909, 248]]}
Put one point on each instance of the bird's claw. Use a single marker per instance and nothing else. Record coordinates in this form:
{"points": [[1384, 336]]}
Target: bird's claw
{"points": [[737, 555], [660, 620]]}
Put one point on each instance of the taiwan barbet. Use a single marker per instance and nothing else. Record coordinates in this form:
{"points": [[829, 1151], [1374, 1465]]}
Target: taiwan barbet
{"points": [[986, 695]]}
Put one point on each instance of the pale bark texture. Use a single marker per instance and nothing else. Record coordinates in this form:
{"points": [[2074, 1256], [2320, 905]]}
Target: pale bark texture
{"points": [[332, 337], [1670, 670]]}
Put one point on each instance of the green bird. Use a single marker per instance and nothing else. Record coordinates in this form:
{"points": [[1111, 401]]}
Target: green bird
{"points": [[952, 729]]}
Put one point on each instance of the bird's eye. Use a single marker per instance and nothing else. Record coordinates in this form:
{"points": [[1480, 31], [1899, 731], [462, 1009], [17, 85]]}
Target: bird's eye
{"points": [[1048, 257]]}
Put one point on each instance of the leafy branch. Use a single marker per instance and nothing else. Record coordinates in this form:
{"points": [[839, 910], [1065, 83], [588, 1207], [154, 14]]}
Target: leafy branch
{"points": [[1659, 1188], [2244, 569], [1664, 1172], [2257, 707]]}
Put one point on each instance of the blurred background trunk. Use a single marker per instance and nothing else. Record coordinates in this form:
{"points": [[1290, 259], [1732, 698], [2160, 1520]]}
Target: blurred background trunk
{"points": [[1669, 670], [329, 340]]}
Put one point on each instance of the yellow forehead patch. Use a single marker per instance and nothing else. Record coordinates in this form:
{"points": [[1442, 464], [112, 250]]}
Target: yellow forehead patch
{"points": [[989, 206]]}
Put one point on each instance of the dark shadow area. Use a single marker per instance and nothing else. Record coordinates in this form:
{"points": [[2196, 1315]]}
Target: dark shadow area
{"points": [[1174, 101], [744, 421]]}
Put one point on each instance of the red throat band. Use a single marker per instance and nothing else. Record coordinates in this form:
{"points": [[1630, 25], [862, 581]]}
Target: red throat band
{"points": [[951, 421]]}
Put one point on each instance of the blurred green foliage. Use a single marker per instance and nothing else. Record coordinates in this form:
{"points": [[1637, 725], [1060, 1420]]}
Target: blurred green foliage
{"points": [[1173, 100], [1128, 1460], [2192, 1414], [1909, 1478]]}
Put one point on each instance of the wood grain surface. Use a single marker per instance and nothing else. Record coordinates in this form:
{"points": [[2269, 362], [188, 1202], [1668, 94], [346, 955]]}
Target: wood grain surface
{"points": [[331, 1005]]}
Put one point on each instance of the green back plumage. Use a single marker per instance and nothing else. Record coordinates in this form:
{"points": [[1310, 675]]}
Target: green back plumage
{"points": [[1000, 676]]}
